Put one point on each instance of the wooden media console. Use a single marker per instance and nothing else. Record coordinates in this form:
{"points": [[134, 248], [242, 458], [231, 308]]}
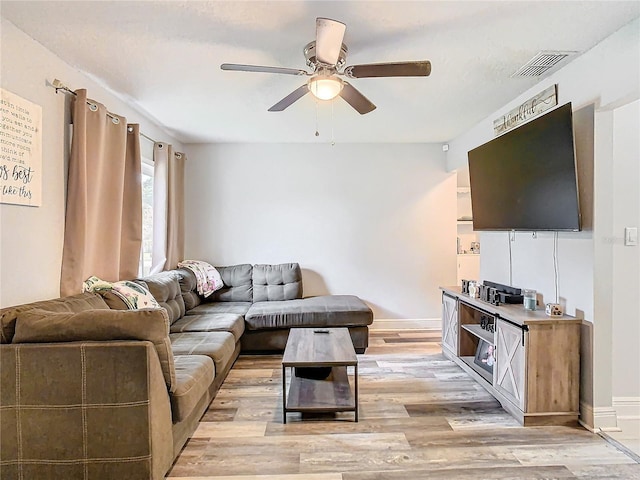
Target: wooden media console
{"points": [[530, 362]]}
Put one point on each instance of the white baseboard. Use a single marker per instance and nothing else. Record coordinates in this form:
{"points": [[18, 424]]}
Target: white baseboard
{"points": [[627, 407], [408, 323], [622, 416], [628, 413], [586, 416]]}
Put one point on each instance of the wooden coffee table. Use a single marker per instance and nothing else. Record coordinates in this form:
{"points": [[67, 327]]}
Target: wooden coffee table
{"points": [[309, 348]]}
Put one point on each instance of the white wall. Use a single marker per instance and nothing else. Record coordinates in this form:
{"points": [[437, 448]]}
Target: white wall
{"points": [[377, 221], [626, 259], [31, 237], [602, 79], [607, 74]]}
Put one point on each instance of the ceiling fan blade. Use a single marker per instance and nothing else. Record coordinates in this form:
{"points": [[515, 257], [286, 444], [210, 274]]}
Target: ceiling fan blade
{"points": [[289, 99], [397, 69], [259, 68], [329, 35], [357, 100]]}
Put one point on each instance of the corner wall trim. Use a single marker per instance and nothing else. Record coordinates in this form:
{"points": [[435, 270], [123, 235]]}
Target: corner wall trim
{"points": [[605, 419], [596, 419]]}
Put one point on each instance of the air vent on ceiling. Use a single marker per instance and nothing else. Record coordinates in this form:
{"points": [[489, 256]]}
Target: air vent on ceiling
{"points": [[541, 63]]}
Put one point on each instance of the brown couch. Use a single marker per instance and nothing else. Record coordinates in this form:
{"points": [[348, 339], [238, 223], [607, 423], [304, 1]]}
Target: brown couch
{"points": [[92, 390]]}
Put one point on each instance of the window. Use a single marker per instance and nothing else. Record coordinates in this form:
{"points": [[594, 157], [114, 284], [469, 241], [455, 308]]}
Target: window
{"points": [[147, 217]]}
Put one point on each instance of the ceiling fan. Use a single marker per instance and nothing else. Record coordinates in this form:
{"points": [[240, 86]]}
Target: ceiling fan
{"points": [[327, 56]]}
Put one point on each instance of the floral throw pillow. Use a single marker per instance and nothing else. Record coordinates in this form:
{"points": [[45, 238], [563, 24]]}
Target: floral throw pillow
{"points": [[134, 295], [208, 279]]}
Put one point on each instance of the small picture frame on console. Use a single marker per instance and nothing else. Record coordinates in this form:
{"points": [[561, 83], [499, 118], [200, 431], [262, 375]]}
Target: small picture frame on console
{"points": [[485, 358]]}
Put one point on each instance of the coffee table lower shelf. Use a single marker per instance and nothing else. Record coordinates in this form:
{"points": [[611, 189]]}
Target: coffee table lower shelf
{"points": [[332, 394]]}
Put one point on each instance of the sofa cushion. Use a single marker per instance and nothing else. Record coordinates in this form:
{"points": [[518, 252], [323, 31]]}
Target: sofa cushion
{"points": [[239, 308], [165, 288], [238, 286], [322, 311], [277, 282], [188, 286], [74, 303], [217, 345], [213, 322], [194, 374], [41, 326]]}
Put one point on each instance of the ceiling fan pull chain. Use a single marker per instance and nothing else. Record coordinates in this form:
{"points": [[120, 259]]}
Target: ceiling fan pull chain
{"points": [[332, 138], [317, 133]]}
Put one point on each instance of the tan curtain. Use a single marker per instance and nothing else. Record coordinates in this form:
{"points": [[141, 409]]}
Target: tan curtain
{"points": [[168, 208], [103, 228]]}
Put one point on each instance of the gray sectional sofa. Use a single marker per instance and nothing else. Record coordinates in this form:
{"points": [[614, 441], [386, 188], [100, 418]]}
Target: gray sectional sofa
{"points": [[92, 389], [269, 300]]}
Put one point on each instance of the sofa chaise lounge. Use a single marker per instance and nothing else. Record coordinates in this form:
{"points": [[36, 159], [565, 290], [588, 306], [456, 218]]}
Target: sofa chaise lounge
{"points": [[92, 390]]}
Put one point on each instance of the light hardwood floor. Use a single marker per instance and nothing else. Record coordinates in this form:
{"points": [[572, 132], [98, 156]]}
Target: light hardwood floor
{"points": [[421, 417]]}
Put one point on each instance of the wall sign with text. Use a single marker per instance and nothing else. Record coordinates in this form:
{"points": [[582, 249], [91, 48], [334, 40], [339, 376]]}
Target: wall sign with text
{"points": [[20, 150], [526, 111]]}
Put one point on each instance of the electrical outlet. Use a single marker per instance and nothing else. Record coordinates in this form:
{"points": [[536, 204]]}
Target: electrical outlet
{"points": [[631, 236]]}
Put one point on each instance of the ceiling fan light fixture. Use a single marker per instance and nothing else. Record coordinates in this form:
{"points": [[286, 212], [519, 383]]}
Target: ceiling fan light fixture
{"points": [[327, 55], [325, 88]]}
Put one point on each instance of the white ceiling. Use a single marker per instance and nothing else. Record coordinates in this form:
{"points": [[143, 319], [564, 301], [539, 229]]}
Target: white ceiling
{"points": [[165, 56]]}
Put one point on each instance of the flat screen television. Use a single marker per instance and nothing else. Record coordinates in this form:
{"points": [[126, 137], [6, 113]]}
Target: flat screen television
{"points": [[526, 178]]}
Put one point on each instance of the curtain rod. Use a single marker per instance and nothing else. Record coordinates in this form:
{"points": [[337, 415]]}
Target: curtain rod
{"points": [[58, 85]]}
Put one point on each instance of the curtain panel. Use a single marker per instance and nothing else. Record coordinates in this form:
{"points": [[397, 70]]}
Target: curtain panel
{"points": [[168, 208], [103, 224]]}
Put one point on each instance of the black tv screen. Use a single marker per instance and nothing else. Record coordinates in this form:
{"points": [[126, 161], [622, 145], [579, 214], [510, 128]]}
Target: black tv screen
{"points": [[526, 179]]}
